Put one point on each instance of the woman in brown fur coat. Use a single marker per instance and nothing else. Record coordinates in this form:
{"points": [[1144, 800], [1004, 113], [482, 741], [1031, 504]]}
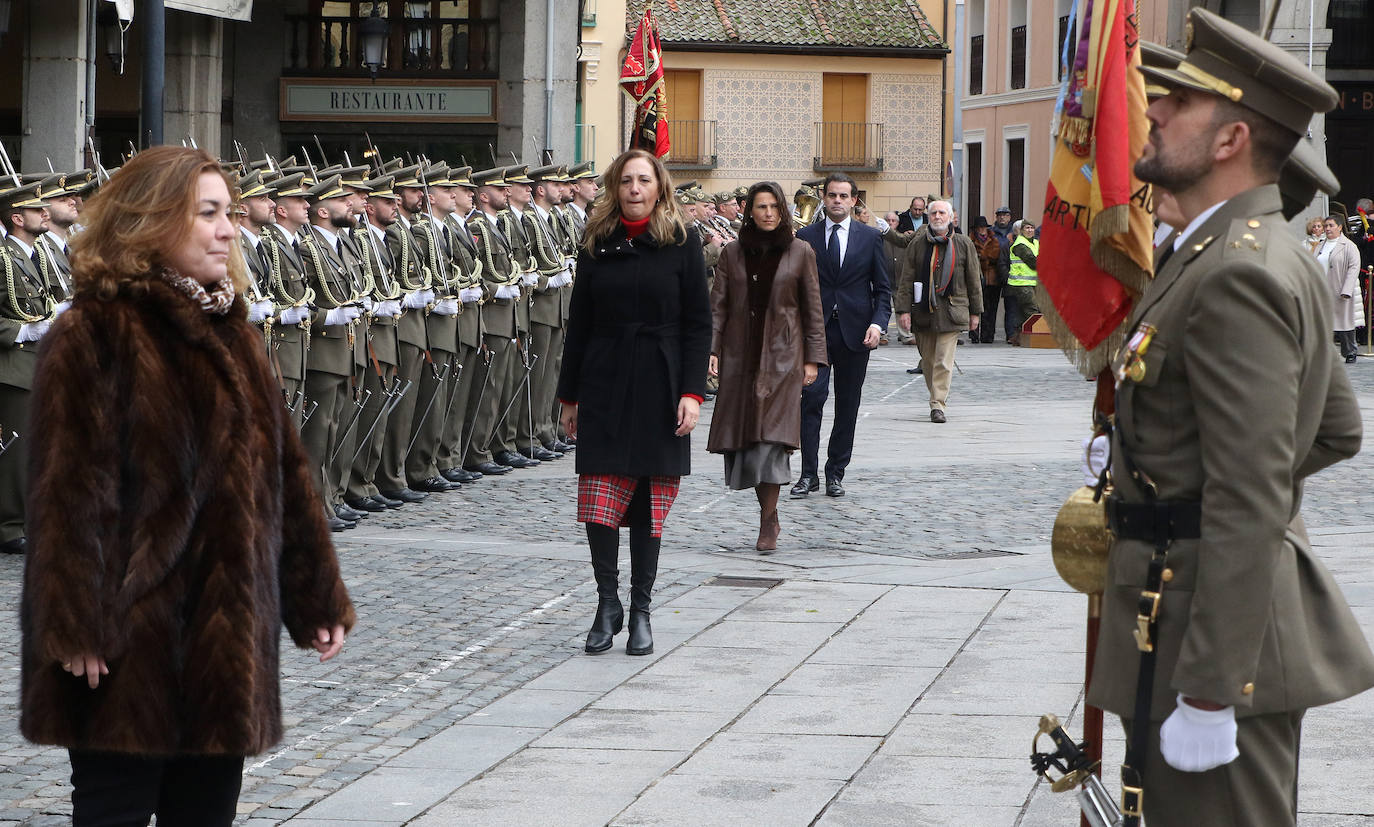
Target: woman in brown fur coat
{"points": [[173, 527]]}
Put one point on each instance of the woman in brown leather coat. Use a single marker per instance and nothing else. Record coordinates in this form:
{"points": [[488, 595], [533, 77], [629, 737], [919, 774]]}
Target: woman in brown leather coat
{"points": [[768, 339]]}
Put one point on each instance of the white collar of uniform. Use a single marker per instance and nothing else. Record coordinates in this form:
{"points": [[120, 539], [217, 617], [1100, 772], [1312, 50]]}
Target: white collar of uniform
{"points": [[57, 239], [490, 217], [540, 211], [519, 213], [377, 232], [329, 235], [1195, 223], [401, 217], [28, 251], [579, 210], [843, 225], [251, 236]]}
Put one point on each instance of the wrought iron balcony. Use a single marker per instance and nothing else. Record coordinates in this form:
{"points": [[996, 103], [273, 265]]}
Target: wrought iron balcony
{"points": [[694, 144], [848, 146]]}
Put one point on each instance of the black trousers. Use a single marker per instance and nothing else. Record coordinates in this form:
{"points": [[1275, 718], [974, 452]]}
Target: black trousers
{"points": [[987, 325], [115, 789], [1346, 339], [849, 367]]}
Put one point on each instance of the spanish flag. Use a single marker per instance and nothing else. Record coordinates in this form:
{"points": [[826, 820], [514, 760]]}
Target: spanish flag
{"points": [[1096, 254], [642, 79]]}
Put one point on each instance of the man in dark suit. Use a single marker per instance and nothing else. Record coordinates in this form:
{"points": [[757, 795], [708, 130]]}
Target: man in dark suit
{"points": [[856, 300]]}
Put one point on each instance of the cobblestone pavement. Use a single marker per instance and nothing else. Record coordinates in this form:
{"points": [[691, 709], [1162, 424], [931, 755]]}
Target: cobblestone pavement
{"points": [[468, 596]]}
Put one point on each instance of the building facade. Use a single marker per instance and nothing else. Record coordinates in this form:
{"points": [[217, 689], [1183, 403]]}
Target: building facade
{"points": [[452, 80], [785, 91], [1009, 77]]}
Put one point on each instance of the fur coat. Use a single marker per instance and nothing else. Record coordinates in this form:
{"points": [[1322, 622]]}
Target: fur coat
{"points": [[173, 528]]}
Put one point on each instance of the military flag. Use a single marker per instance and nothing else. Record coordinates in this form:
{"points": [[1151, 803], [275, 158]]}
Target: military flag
{"points": [[1096, 251], [642, 79]]}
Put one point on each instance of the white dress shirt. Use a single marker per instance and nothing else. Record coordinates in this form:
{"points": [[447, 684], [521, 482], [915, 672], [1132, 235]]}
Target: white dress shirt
{"points": [[843, 236]]}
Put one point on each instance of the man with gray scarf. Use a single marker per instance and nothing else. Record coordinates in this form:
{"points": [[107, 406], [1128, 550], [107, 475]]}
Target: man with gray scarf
{"points": [[939, 295]]}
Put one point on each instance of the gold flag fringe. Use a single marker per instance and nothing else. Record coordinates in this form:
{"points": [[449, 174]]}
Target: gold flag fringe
{"points": [[1108, 226], [1075, 131], [1088, 363]]}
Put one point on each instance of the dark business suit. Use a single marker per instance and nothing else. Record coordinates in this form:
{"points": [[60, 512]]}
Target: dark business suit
{"points": [[854, 295]]}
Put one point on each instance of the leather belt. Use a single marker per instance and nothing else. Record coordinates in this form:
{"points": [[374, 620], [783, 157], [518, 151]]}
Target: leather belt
{"points": [[1154, 521]]}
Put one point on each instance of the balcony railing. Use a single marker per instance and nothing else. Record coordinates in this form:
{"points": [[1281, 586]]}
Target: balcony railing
{"points": [[694, 144], [975, 65], [1018, 57], [430, 47], [849, 146]]}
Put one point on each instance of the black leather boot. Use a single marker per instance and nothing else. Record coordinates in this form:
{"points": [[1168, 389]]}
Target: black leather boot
{"points": [[643, 571], [610, 614]]}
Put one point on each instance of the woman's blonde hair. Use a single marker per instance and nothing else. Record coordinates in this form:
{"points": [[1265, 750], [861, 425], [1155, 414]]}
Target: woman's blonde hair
{"points": [[665, 222], [141, 217]]}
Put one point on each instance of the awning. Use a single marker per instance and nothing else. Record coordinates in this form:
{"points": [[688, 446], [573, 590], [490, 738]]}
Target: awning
{"points": [[230, 9]]}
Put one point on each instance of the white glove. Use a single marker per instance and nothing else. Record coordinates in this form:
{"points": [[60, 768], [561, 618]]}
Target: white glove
{"points": [[367, 303], [1197, 740], [342, 315], [32, 332], [61, 308], [294, 315], [530, 279], [447, 307], [392, 308], [470, 294], [1096, 450], [414, 300], [883, 226], [429, 296], [508, 291], [259, 312], [561, 280]]}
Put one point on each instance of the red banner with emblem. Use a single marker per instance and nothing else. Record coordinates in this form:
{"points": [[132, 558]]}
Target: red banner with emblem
{"points": [[1096, 230], [641, 78]]}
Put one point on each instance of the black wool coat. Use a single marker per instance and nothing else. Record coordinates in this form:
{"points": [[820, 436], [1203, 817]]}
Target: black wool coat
{"points": [[173, 529], [638, 338]]}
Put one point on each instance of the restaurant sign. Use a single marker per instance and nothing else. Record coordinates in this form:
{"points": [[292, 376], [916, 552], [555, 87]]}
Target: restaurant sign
{"points": [[319, 99]]}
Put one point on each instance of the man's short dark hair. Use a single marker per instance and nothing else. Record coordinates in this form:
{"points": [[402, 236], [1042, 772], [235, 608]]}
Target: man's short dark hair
{"points": [[840, 178], [1271, 144]]}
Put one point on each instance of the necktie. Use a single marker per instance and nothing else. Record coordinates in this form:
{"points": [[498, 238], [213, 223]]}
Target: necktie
{"points": [[266, 259], [832, 249]]}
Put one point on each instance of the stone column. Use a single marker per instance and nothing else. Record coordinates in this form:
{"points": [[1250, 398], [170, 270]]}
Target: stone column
{"points": [[54, 106], [520, 105], [195, 79]]}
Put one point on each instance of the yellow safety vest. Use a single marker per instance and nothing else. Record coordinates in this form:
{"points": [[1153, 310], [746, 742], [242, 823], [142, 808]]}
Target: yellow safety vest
{"points": [[1021, 274]]}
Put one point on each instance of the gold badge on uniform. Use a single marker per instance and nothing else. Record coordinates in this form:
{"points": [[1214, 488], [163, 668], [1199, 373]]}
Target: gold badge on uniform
{"points": [[1133, 365]]}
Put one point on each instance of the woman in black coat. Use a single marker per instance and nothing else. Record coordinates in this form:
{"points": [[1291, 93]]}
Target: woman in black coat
{"points": [[633, 379]]}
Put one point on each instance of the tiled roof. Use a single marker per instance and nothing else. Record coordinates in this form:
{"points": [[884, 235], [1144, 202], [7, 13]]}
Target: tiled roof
{"points": [[857, 24]]}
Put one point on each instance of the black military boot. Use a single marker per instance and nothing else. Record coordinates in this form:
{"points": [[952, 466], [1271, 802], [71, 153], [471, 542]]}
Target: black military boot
{"points": [[643, 571], [610, 614]]}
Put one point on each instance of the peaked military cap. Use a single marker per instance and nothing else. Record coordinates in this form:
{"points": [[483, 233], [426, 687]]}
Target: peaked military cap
{"points": [[1301, 177], [331, 187], [382, 187], [685, 198], [741, 192], [1225, 59], [394, 165], [56, 185], [516, 174], [722, 197], [435, 175], [552, 172], [293, 184], [490, 178], [355, 177], [252, 185], [461, 176], [686, 185], [408, 176], [23, 196], [1160, 57], [583, 171]]}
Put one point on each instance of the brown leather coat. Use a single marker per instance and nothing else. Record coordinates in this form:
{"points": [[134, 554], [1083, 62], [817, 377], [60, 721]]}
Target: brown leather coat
{"points": [[793, 335]]}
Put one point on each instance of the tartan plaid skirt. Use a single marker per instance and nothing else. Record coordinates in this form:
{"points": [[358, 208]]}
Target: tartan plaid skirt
{"points": [[605, 499]]}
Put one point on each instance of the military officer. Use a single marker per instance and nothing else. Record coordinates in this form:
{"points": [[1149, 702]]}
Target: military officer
{"points": [[435, 238], [467, 278], [727, 209], [382, 346], [26, 311], [546, 311], [583, 184], [254, 214], [501, 278], [334, 331], [288, 289], [1219, 624], [413, 274], [514, 442], [59, 191]]}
